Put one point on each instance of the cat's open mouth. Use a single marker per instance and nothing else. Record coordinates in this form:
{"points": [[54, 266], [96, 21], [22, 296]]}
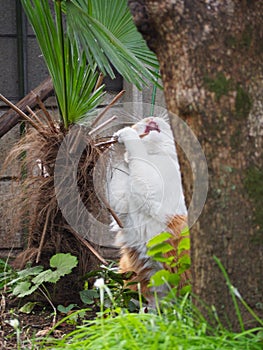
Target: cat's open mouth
{"points": [[151, 126]]}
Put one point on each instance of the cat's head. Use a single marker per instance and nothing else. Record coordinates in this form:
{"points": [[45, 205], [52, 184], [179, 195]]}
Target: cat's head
{"points": [[158, 134]]}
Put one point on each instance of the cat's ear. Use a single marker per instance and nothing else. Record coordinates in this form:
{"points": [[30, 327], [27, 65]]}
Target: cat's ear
{"points": [[165, 118]]}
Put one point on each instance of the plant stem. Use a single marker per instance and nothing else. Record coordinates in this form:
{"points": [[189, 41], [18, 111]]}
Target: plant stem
{"points": [[154, 95], [51, 304], [238, 313], [64, 111]]}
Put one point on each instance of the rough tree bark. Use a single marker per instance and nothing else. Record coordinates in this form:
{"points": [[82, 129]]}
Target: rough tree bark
{"points": [[211, 55]]}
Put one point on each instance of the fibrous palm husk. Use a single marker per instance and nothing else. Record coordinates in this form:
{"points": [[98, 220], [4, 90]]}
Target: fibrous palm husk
{"points": [[37, 211]]}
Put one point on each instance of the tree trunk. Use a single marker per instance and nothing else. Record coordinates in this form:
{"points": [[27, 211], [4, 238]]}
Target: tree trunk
{"points": [[211, 55]]}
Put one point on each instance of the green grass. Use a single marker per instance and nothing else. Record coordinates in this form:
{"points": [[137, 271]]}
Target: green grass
{"points": [[175, 324], [178, 327]]}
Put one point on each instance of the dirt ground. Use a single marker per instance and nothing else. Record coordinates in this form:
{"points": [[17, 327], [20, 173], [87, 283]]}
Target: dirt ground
{"points": [[36, 324]]}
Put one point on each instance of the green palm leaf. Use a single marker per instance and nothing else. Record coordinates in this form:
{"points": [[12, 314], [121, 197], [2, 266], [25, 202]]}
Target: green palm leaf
{"points": [[73, 79], [105, 30], [98, 31]]}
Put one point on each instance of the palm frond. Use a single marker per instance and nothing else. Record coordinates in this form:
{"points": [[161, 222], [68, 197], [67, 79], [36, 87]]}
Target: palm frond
{"points": [[104, 29], [73, 80]]}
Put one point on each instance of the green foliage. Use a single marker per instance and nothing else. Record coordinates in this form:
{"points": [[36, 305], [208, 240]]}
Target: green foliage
{"points": [[157, 248], [19, 279], [6, 273], [89, 296], [28, 280], [66, 309], [163, 276], [106, 32], [160, 248], [96, 31], [120, 293], [235, 296], [28, 307], [74, 82], [179, 327], [163, 236]]}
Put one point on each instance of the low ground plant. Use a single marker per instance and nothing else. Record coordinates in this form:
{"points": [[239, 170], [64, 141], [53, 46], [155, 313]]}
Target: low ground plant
{"points": [[179, 326], [118, 286], [175, 323]]}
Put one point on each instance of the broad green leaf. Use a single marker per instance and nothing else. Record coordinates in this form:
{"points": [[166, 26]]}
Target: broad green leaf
{"points": [[24, 288], [30, 271], [183, 245], [66, 309], [88, 296], [64, 263], [174, 279], [184, 263], [163, 259], [185, 231], [160, 248], [21, 287], [44, 276], [185, 290], [26, 274], [159, 278], [159, 239], [28, 307]]}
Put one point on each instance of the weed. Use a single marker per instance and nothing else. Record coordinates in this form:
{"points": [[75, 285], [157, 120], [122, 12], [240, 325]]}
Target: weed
{"points": [[179, 326], [31, 279], [117, 285], [159, 249]]}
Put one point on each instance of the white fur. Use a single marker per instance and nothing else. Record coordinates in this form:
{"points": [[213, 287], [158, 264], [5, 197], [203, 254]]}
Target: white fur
{"points": [[145, 189]]}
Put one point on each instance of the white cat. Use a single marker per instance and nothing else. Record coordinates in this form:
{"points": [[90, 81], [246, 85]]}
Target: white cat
{"points": [[145, 191]]}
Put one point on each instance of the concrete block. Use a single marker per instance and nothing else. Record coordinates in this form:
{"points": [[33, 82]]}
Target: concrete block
{"points": [[8, 238], [8, 17], [8, 71], [37, 70], [6, 144]]}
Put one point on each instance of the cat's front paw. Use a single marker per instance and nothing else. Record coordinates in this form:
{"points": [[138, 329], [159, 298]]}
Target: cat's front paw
{"points": [[126, 134]]}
